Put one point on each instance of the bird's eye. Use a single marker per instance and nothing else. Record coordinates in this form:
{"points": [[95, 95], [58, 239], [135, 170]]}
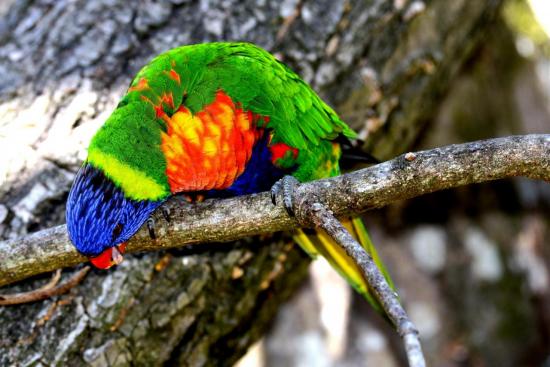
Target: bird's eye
{"points": [[117, 230]]}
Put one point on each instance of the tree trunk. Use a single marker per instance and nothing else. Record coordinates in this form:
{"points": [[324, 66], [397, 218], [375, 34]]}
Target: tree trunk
{"points": [[63, 66]]}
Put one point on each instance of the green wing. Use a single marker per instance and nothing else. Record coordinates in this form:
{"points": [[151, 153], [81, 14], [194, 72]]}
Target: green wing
{"points": [[254, 78]]}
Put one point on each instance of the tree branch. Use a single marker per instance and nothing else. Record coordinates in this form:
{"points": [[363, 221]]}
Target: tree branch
{"points": [[404, 177], [323, 218], [49, 290]]}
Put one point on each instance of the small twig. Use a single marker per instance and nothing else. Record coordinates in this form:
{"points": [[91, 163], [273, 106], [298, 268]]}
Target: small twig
{"points": [[47, 291], [287, 22], [321, 217], [52, 283]]}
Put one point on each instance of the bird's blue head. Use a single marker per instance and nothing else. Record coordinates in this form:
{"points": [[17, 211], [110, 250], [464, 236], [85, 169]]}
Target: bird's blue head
{"points": [[100, 218]]}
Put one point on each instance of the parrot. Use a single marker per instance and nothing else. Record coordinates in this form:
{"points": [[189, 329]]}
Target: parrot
{"points": [[217, 120]]}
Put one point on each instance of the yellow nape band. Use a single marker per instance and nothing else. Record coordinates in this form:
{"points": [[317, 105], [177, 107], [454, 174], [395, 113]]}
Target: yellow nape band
{"points": [[135, 184]]}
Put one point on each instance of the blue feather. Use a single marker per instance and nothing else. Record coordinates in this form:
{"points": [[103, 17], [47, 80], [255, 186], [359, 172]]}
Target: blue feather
{"points": [[99, 216]]}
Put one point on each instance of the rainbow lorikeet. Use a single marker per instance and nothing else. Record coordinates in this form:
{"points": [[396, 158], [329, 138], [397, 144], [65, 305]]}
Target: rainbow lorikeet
{"points": [[221, 119]]}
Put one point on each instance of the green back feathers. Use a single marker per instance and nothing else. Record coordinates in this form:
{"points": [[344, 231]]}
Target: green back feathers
{"points": [[253, 78]]}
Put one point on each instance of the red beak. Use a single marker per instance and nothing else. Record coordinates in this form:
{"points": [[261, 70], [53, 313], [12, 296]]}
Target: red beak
{"points": [[109, 257]]}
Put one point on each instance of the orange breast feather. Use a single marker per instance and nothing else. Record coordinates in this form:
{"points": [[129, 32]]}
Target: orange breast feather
{"points": [[210, 149]]}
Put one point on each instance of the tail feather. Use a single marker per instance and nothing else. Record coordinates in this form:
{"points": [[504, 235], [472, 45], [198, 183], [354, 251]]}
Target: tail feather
{"points": [[364, 239], [319, 243]]}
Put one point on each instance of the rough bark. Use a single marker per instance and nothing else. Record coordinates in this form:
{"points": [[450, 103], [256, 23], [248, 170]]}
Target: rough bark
{"points": [[63, 65]]}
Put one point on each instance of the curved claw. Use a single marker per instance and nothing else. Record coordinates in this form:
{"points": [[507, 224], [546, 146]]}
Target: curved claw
{"points": [[275, 189], [289, 183], [151, 228], [285, 186]]}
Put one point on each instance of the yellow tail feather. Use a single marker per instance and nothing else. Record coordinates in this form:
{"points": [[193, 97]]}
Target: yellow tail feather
{"points": [[319, 243]]}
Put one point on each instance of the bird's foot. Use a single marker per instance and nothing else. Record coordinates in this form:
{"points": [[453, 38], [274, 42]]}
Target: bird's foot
{"points": [[151, 228], [193, 197], [285, 187]]}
